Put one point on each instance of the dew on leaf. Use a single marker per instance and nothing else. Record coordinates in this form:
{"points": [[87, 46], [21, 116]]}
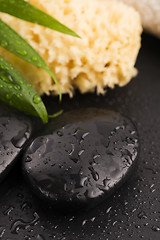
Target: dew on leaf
{"points": [[22, 52], [17, 87], [8, 96], [37, 99], [4, 43], [34, 59]]}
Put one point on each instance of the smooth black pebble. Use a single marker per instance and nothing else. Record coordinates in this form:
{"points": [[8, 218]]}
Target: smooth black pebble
{"points": [[81, 157], [15, 130]]}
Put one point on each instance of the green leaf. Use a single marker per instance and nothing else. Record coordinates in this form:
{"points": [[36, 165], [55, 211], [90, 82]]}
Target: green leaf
{"points": [[56, 114], [23, 10], [17, 92], [14, 43]]}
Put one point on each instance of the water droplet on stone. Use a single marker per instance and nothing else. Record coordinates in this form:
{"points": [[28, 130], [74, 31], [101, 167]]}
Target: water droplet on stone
{"points": [[109, 209], [59, 133], [26, 205], [142, 215], [40, 237], [81, 173], [8, 210], [28, 159], [21, 224], [156, 228], [19, 140], [2, 231], [93, 219], [84, 222], [12, 137]]}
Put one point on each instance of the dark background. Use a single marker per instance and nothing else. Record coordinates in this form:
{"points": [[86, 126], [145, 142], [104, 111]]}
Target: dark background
{"points": [[133, 212]]}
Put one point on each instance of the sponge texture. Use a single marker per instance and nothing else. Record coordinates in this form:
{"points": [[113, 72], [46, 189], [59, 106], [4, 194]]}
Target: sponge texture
{"points": [[104, 56]]}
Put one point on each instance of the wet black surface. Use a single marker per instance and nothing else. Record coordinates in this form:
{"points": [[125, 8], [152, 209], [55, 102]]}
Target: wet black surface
{"points": [[133, 212], [87, 154], [14, 133]]}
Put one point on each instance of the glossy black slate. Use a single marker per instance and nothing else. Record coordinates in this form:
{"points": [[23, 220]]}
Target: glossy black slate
{"points": [[132, 212], [87, 154], [14, 133]]}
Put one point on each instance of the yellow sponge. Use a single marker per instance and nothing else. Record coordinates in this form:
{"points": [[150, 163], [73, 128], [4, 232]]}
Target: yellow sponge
{"points": [[104, 56]]}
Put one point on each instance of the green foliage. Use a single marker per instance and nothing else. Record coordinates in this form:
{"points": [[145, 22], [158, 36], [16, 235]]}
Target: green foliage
{"points": [[17, 92], [14, 89]]}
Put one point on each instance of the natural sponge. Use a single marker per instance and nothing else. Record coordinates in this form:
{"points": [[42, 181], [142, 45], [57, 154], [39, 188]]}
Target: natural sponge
{"points": [[104, 56]]}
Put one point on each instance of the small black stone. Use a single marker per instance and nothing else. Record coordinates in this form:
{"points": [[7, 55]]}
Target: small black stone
{"points": [[15, 130], [81, 157]]}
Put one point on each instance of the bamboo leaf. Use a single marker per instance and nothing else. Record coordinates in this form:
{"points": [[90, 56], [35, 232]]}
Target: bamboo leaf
{"points": [[14, 43], [17, 92], [23, 10]]}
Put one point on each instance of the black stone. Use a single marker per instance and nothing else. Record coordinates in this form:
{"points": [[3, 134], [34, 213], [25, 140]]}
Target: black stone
{"points": [[81, 157], [15, 130]]}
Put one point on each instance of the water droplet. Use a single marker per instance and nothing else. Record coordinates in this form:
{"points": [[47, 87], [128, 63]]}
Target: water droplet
{"points": [[8, 210], [34, 59], [37, 99], [83, 181], [19, 95], [22, 52], [80, 152], [18, 224], [71, 219], [114, 223], [10, 86], [40, 237], [28, 85], [156, 228], [2, 67], [109, 209], [5, 77], [74, 153], [95, 175], [8, 96], [137, 226], [80, 134], [17, 87], [93, 219], [26, 205], [134, 210], [2, 231], [26, 237], [142, 215], [84, 222], [21, 82], [21, 137], [60, 133], [28, 159], [20, 195], [4, 43]]}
